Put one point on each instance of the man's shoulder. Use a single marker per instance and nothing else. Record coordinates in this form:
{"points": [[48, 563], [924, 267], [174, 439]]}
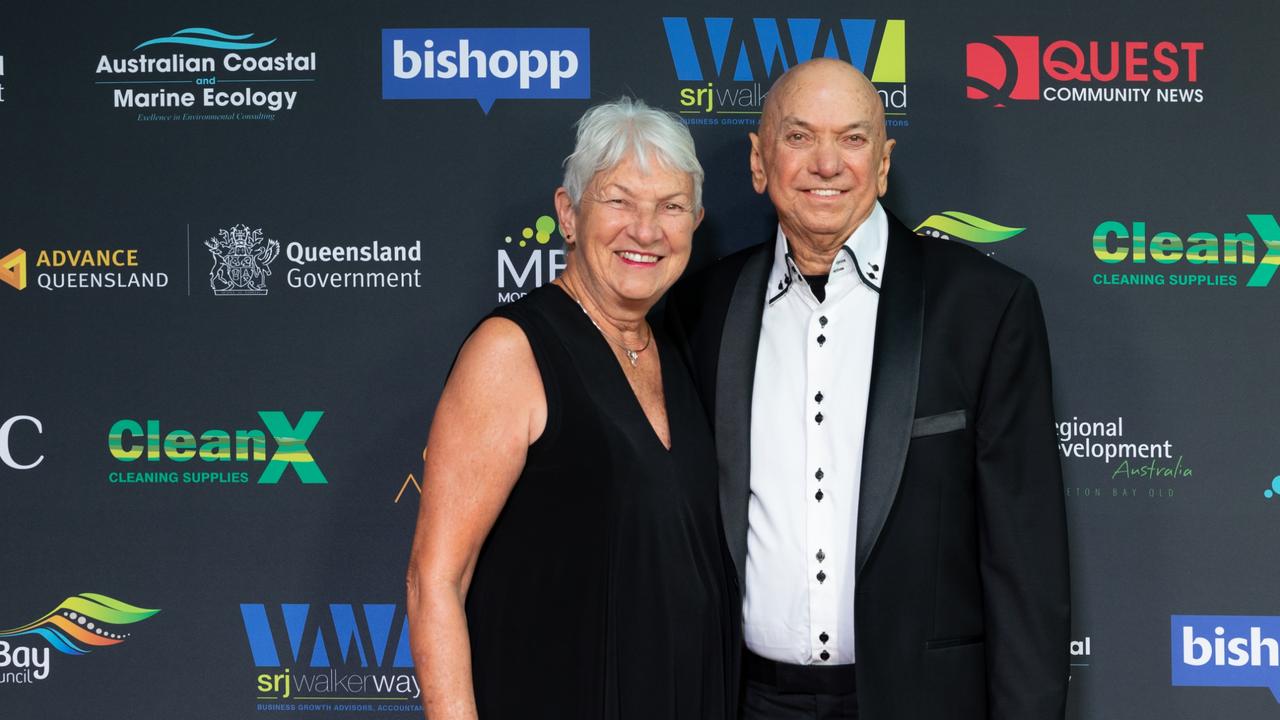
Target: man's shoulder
{"points": [[714, 283], [952, 263]]}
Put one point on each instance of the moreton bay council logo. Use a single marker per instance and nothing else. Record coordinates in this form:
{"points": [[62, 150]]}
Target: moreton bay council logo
{"points": [[241, 261], [77, 626]]}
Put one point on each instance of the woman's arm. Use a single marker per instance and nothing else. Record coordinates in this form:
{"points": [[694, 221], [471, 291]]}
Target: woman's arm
{"points": [[492, 408]]}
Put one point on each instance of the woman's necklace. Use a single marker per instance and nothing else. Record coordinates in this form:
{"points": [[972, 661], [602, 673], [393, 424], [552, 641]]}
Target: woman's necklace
{"points": [[632, 355]]}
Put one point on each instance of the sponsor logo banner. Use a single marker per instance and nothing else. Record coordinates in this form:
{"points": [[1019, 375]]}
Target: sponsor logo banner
{"points": [[1017, 68], [80, 268], [486, 64], [528, 260], [77, 626], [1226, 651], [1154, 256], [724, 66], [6, 438], [205, 74], [339, 657], [1133, 468]]}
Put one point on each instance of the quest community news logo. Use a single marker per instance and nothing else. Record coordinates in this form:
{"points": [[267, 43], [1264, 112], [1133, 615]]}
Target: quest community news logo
{"points": [[486, 64], [724, 65], [331, 653], [203, 74], [1012, 68], [131, 441], [77, 626], [1226, 651]]}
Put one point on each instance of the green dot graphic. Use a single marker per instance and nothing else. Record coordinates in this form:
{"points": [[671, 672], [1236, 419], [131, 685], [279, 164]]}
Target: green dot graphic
{"points": [[545, 226]]}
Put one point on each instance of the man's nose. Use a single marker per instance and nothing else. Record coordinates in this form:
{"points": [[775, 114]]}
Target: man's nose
{"points": [[826, 159]]}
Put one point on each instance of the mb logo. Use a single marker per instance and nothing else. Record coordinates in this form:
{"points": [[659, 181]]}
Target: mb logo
{"points": [[241, 261], [1006, 69], [755, 50]]}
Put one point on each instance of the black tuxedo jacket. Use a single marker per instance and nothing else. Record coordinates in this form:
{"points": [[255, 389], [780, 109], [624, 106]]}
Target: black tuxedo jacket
{"points": [[962, 605]]}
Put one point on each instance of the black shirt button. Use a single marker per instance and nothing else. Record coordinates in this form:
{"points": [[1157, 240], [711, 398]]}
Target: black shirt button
{"points": [[818, 496], [821, 556], [821, 340], [818, 397], [822, 576], [822, 321], [819, 475], [824, 638], [818, 418], [825, 655]]}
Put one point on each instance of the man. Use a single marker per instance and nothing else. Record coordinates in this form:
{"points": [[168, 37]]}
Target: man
{"points": [[889, 481]]}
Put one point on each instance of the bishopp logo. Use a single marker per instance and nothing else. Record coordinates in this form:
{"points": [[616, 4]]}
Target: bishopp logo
{"points": [[486, 64], [77, 626], [1010, 68], [1187, 261], [726, 64], [336, 657], [527, 261], [13, 269], [970, 228], [1226, 651], [232, 76], [241, 261], [131, 441]]}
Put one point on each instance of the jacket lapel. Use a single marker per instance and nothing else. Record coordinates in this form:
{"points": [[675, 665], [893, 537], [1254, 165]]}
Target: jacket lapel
{"points": [[895, 373], [735, 375]]}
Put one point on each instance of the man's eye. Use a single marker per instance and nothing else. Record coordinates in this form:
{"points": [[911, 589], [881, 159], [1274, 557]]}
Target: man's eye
{"points": [[675, 208]]}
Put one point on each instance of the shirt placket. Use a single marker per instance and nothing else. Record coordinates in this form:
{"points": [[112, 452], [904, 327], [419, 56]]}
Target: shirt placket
{"points": [[818, 458]]}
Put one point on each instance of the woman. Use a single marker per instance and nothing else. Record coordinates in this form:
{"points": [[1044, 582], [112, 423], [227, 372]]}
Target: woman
{"points": [[569, 559]]}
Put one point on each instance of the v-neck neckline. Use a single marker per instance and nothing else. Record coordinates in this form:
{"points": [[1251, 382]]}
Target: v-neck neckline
{"points": [[620, 374]]}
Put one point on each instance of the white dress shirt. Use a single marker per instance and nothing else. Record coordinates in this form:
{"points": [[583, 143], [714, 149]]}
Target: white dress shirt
{"points": [[808, 417]]}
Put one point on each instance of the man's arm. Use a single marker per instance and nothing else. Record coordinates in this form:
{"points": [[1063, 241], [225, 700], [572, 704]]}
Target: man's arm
{"points": [[1022, 522]]}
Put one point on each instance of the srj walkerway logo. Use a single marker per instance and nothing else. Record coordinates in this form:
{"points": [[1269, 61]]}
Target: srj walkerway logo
{"points": [[338, 657], [486, 64], [725, 65], [203, 74], [131, 441], [77, 626], [1226, 651], [1011, 68]]}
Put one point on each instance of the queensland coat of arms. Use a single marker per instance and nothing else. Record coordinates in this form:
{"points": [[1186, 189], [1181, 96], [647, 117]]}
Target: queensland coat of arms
{"points": [[241, 261]]}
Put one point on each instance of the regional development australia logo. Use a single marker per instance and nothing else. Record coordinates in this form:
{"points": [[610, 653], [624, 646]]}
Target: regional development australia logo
{"points": [[241, 261], [77, 626]]}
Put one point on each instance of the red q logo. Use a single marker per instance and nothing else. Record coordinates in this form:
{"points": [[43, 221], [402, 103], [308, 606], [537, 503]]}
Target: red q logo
{"points": [[1008, 69]]}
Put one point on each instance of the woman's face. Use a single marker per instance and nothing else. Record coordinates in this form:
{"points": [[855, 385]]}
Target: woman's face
{"points": [[633, 229]]}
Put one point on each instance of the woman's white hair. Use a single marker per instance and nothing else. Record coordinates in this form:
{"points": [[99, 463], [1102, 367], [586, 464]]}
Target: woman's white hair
{"points": [[627, 128]]}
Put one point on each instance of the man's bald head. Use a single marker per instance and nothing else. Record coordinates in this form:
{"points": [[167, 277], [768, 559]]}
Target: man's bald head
{"points": [[821, 72]]}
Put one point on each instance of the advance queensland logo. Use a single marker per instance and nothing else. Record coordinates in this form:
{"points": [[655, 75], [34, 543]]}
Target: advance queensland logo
{"points": [[1012, 68], [486, 64], [1225, 651], [201, 74], [77, 626], [117, 268], [1252, 244], [726, 65], [336, 658], [131, 441]]}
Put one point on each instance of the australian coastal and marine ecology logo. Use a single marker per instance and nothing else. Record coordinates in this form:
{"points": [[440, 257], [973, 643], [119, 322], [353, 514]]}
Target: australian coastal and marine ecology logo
{"points": [[1014, 68], [1153, 257], [527, 260], [338, 657], [486, 64], [201, 73], [131, 441], [77, 626], [1225, 651], [725, 65]]}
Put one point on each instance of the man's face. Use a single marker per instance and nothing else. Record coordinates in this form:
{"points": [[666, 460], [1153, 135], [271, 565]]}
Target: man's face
{"points": [[822, 156]]}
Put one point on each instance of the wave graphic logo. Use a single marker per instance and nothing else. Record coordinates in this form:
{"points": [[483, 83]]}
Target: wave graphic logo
{"points": [[83, 623], [951, 223], [208, 38], [1007, 69]]}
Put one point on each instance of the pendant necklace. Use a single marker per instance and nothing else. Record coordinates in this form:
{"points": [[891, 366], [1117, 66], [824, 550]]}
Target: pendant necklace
{"points": [[632, 355]]}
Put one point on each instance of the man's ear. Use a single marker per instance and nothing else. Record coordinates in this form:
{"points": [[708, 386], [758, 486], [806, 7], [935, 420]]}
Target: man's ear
{"points": [[759, 180], [882, 177]]}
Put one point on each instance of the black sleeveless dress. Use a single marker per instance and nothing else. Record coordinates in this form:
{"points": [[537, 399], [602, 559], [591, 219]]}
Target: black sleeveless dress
{"points": [[604, 589]]}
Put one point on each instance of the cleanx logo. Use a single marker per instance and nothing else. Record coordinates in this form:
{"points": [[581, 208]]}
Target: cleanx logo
{"points": [[1115, 242], [722, 48], [1226, 651], [129, 441]]}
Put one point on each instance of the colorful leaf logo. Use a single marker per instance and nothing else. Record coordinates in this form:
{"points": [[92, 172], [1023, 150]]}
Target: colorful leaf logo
{"points": [[84, 622], [966, 227]]}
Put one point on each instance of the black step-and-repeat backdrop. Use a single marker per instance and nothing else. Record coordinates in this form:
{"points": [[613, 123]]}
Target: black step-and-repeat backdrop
{"points": [[240, 243]]}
